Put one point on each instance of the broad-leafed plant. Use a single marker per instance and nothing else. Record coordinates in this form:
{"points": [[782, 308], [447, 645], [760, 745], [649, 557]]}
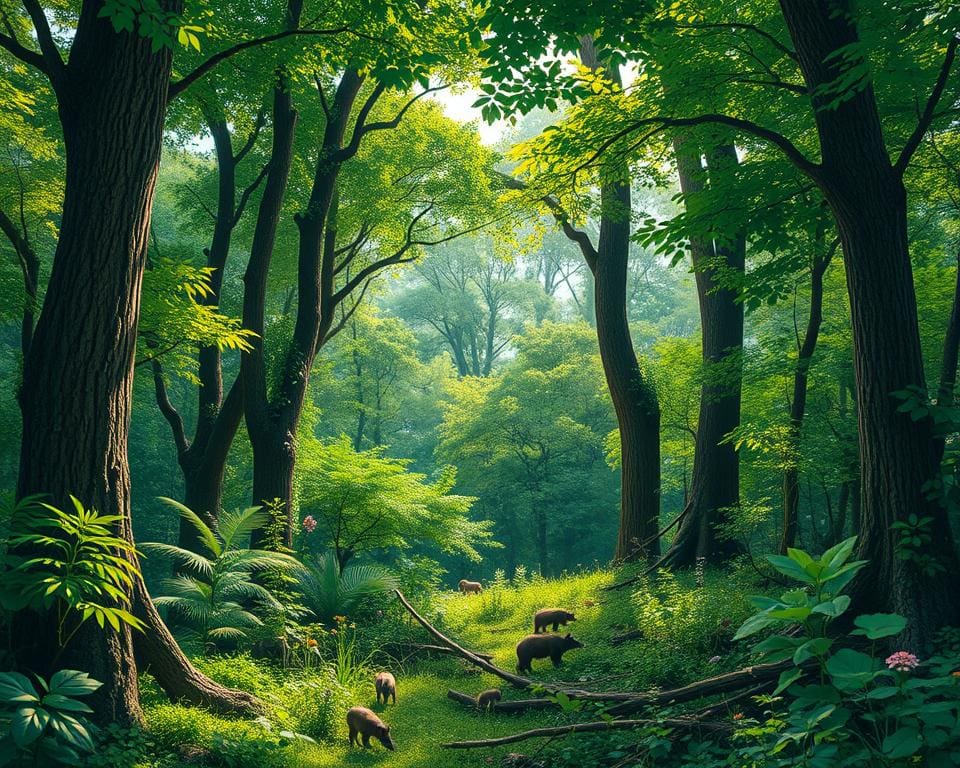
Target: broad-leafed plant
{"points": [[70, 561]]}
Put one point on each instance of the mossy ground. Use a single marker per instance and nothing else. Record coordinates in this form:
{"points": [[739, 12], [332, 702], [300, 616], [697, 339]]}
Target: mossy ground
{"points": [[683, 626]]}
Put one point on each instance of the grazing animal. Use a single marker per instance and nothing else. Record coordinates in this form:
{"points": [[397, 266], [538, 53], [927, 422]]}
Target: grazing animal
{"points": [[542, 647], [468, 587], [364, 723], [556, 616], [386, 685], [487, 699]]}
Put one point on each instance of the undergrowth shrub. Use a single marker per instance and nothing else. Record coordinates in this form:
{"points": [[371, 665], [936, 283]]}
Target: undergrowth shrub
{"points": [[318, 706]]}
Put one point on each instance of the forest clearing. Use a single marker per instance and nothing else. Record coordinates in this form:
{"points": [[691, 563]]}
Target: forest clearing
{"points": [[554, 384]]}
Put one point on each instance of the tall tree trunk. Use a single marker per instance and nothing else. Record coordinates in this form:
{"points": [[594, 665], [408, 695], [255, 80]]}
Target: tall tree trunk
{"points": [[898, 455], [951, 347], [798, 404], [634, 397], [78, 375], [272, 420], [715, 484], [203, 458]]}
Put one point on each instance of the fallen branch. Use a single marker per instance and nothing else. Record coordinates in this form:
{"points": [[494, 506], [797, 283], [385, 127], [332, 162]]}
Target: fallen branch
{"points": [[631, 635], [517, 705], [475, 658], [626, 701], [563, 730]]}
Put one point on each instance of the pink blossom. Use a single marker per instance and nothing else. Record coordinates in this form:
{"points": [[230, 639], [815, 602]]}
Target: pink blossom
{"points": [[902, 661], [309, 524]]}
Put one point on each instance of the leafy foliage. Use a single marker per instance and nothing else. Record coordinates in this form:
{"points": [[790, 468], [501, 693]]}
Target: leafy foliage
{"points": [[44, 724], [330, 591], [72, 561], [210, 597]]}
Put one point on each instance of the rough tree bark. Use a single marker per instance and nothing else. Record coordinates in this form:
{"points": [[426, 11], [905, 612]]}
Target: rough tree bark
{"points": [[78, 374], [715, 483], [898, 455]]}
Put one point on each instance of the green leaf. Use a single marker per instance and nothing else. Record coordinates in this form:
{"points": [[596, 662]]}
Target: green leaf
{"points": [[753, 625], [902, 743], [791, 568], [877, 625], [833, 608], [818, 646], [851, 669], [70, 682], [17, 688], [27, 724], [787, 678]]}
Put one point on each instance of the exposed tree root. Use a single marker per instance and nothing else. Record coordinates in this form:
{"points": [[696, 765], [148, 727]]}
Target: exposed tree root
{"points": [[158, 653]]}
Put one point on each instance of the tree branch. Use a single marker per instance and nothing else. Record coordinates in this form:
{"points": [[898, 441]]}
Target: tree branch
{"points": [[602, 725], [578, 236], [245, 196], [789, 149], [54, 67], [362, 128], [733, 25], [252, 138], [27, 56], [926, 118], [169, 412], [179, 86]]}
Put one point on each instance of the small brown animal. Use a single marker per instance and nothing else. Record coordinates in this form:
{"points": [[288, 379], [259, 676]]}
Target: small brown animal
{"points": [[386, 685], [468, 587], [365, 723], [556, 616], [542, 647], [487, 699]]}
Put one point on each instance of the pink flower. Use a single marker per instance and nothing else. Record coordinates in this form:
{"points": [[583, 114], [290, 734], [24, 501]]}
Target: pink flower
{"points": [[902, 661], [309, 524]]}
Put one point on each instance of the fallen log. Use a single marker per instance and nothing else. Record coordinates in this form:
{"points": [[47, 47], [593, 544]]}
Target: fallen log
{"points": [[603, 725], [505, 707]]}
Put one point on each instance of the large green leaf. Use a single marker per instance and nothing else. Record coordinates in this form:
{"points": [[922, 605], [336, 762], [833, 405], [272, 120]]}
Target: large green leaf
{"points": [[877, 625], [902, 743], [28, 723], [851, 670], [17, 688], [70, 682], [791, 568]]}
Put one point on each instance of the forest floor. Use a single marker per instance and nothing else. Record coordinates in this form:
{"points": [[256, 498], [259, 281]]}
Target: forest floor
{"points": [[684, 627]]}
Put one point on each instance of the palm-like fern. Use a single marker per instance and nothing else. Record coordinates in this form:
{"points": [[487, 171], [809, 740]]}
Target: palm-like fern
{"points": [[327, 591], [212, 595]]}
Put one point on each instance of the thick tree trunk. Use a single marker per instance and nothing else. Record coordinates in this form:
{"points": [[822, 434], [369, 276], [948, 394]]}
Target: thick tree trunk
{"points": [[798, 404], [634, 398], [715, 484], [78, 375], [898, 455]]}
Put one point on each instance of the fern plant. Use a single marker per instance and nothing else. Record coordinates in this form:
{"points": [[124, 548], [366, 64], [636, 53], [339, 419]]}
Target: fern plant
{"points": [[212, 595], [69, 561], [329, 591]]}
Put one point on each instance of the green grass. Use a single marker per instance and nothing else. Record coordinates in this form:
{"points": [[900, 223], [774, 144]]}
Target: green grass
{"points": [[683, 627]]}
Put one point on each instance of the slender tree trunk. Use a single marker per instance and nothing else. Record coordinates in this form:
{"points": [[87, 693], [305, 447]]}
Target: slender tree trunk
{"points": [[951, 346], [898, 455], [715, 484], [30, 271], [798, 404], [272, 420], [634, 398]]}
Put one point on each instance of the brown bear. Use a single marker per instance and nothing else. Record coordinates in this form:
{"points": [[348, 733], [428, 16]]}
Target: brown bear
{"points": [[547, 616], [386, 685], [468, 587], [487, 699], [365, 723], [542, 647]]}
